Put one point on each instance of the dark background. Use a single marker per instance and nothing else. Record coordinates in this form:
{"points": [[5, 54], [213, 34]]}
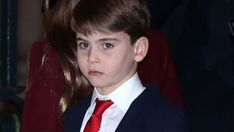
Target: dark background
{"points": [[200, 42]]}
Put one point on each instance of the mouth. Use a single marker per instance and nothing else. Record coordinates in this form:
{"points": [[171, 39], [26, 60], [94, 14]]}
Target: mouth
{"points": [[95, 73]]}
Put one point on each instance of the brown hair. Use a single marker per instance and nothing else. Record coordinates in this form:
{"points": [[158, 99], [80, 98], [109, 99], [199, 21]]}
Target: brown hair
{"points": [[129, 16], [58, 30]]}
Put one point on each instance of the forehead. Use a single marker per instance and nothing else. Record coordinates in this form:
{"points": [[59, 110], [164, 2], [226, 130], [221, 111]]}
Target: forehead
{"points": [[97, 35]]}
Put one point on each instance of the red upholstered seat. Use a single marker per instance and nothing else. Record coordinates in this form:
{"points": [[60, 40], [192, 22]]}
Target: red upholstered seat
{"points": [[158, 67]]}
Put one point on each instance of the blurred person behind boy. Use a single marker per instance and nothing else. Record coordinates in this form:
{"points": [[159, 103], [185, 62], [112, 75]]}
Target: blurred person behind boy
{"points": [[53, 81]]}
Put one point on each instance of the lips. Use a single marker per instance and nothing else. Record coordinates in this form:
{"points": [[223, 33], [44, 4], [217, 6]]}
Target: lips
{"points": [[95, 73]]}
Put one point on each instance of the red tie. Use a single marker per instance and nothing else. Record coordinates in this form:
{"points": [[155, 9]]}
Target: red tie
{"points": [[94, 122]]}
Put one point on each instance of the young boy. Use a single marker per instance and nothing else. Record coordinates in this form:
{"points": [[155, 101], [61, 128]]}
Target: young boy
{"points": [[111, 41]]}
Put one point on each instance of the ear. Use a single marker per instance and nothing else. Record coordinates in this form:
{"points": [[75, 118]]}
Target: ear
{"points": [[141, 48]]}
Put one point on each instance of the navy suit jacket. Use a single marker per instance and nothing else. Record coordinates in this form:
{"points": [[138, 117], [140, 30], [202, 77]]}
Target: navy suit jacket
{"points": [[148, 112]]}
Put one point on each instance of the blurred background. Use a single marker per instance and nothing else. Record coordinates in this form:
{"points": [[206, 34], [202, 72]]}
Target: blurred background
{"points": [[21, 25], [199, 33]]}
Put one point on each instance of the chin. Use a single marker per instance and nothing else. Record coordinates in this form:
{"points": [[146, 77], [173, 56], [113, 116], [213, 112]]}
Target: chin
{"points": [[94, 84]]}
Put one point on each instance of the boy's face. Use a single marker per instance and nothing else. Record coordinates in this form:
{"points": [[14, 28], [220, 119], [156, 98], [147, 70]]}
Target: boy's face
{"points": [[106, 59]]}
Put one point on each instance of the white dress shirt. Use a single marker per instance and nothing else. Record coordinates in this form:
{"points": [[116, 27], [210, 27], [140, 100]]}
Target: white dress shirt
{"points": [[122, 97]]}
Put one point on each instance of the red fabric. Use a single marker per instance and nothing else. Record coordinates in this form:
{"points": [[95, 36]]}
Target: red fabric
{"points": [[45, 83], [158, 67], [94, 122]]}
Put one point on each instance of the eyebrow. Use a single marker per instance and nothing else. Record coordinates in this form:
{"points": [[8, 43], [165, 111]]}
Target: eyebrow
{"points": [[109, 39], [80, 39], [102, 40]]}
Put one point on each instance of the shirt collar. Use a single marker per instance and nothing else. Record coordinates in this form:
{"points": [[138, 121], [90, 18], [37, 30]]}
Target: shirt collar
{"points": [[124, 95]]}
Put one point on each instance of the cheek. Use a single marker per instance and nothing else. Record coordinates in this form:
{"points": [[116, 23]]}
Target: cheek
{"points": [[122, 63], [81, 62]]}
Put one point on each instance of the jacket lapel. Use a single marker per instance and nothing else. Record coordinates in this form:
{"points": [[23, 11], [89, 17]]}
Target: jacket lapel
{"points": [[128, 121], [133, 119], [82, 108]]}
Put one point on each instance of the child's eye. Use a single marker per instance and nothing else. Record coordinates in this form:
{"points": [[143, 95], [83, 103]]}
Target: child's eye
{"points": [[83, 45], [108, 45]]}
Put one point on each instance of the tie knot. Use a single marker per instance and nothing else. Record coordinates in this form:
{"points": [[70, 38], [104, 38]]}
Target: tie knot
{"points": [[101, 106]]}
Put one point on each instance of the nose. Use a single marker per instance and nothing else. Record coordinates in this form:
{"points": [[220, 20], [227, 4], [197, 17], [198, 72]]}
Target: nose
{"points": [[93, 56]]}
